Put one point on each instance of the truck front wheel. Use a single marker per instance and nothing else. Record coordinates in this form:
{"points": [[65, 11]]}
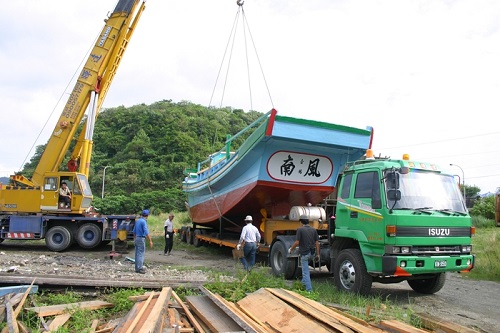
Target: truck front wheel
{"points": [[430, 285], [350, 273], [58, 238], [280, 264], [89, 236]]}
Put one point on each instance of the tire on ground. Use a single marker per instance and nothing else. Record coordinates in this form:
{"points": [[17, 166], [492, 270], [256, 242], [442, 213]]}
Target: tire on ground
{"points": [[89, 236], [280, 264], [58, 238], [196, 241], [429, 285], [184, 234], [350, 273]]}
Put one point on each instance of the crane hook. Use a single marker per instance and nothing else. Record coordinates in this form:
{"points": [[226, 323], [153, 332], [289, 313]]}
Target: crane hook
{"points": [[240, 2]]}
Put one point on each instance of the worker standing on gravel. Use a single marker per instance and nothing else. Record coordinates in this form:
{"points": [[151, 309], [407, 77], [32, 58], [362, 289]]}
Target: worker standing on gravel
{"points": [[169, 234], [141, 232], [307, 240], [249, 240]]}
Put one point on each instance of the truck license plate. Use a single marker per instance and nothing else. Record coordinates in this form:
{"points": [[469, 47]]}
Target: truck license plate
{"points": [[440, 263]]}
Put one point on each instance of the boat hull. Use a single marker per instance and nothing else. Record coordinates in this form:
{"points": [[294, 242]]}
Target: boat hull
{"points": [[285, 162]]}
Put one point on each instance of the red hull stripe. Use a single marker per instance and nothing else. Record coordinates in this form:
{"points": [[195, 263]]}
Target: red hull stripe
{"points": [[20, 235]]}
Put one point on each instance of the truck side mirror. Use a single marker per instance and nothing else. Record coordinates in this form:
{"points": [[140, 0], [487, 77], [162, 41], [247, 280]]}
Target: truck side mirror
{"points": [[394, 195], [392, 180]]}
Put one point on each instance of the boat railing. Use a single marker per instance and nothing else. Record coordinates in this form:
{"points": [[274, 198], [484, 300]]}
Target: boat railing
{"points": [[207, 167]]}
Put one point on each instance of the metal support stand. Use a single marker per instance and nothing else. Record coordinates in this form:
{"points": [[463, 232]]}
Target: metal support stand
{"points": [[113, 254]]}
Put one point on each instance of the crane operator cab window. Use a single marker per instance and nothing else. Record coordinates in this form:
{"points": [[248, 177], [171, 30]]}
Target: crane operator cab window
{"points": [[65, 194]]}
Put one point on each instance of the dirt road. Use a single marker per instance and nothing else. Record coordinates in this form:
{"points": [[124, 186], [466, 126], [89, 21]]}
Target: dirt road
{"points": [[474, 304]]}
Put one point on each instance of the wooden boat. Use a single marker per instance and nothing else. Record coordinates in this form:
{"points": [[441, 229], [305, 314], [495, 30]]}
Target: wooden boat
{"points": [[284, 162]]}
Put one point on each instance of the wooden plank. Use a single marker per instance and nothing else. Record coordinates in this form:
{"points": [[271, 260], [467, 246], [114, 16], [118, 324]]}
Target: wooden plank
{"points": [[431, 322], [280, 316], [244, 324], [304, 306], [93, 326], [139, 315], [213, 316], [59, 321], [53, 310], [21, 304], [154, 321], [188, 313], [17, 289], [143, 297], [75, 281], [11, 320], [254, 322], [400, 327], [316, 307]]}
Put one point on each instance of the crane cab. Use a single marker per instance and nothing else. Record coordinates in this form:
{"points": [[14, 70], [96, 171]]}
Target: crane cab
{"points": [[21, 198]]}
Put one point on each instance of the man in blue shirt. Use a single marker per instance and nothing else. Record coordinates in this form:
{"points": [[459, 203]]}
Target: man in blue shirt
{"points": [[141, 232]]}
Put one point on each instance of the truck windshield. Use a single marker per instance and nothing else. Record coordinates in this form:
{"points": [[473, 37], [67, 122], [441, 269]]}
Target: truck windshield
{"points": [[430, 191], [84, 183]]}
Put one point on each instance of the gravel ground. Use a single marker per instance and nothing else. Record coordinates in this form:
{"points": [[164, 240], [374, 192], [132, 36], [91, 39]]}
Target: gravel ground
{"points": [[474, 304]]}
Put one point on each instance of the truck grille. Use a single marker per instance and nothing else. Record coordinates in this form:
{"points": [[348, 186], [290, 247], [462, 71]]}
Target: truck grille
{"points": [[449, 249]]}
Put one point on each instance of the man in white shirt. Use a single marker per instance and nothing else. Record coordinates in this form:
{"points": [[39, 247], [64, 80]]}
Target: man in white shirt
{"points": [[249, 240], [169, 234]]}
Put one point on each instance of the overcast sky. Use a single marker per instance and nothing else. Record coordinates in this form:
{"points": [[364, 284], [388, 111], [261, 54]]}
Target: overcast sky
{"points": [[424, 74]]}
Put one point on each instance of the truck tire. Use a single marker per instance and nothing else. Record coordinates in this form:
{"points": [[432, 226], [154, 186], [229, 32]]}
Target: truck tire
{"points": [[430, 285], [58, 238], [184, 234], [189, 236], [196, 240], [89, 236], [350, 273], [280, 264]]}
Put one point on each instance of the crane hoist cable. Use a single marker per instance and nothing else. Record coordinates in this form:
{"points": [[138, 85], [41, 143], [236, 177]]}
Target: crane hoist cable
{"points": [[228, 53]]}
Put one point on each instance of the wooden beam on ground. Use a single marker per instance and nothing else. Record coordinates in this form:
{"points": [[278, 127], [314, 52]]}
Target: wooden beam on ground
{"points": [[316, 307], [213, 316], [431, 322], [52, 310], [244, 324], [11, 320], [254, 322], [278, 314], [188, 313], [139, 315], [154, 322], [21, 304], [75, 281], [58, 321], [400, 327]]}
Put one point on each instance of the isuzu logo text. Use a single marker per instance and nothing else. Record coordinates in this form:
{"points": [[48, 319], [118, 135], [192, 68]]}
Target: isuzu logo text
{"points": [[439, 232]]}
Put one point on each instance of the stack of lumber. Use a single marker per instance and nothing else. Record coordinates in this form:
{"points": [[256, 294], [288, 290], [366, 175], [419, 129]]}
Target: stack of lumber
{"points": [[266, 310]]}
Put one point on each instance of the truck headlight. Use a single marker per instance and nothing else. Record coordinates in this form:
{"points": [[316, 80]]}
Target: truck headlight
{"points": [[466, 248]]}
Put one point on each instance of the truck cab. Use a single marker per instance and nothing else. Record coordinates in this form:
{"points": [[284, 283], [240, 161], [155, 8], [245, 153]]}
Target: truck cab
{"points": [[399, 220]]}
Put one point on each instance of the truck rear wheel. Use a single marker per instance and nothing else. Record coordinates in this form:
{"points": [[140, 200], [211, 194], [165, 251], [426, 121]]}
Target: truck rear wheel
{"points": [[58, 238], [196, 240], [430, 285], [89, 236], [350, 273], [280, 264]]}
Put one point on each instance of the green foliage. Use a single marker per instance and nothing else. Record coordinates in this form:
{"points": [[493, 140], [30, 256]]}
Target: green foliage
{"points": [[245, 283], [147, 148], [120, 299], [485, 247], [484, 207], [482, 222]]}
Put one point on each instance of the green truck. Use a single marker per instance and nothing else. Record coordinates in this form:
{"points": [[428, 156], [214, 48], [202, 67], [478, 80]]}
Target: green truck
{"points": [[391, 220]]}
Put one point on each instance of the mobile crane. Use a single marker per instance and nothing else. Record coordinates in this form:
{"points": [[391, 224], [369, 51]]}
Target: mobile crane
{"points": [[30, 208]]}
